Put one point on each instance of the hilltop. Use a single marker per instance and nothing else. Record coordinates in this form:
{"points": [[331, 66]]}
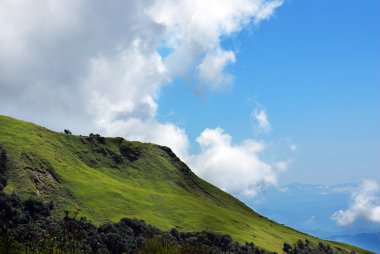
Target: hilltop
{"points": [[107, 179]]}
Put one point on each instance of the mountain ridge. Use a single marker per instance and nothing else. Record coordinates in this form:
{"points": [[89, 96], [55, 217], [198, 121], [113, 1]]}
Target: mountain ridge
{"points": [[106, 179]]}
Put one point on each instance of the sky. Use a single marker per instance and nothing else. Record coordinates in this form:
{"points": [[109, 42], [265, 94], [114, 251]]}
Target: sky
{"points": [[315, 68], [250, 93]]}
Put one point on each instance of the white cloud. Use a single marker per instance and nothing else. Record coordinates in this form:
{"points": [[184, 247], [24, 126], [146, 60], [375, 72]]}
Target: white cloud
{"points": [[78, 55], [263, 124], [365, 204], [96, 67], [153, 131], [195, 28], [59, 58], [237, 169], [211, 69]]}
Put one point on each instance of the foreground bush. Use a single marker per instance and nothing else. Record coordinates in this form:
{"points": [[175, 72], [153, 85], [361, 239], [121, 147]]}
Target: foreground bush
{"points": [[28, 227]]}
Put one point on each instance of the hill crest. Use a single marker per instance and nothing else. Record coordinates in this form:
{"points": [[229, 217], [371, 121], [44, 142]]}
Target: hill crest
{"points": [[106, 179]]}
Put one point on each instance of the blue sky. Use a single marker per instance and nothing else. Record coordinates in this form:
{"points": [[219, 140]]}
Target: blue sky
{"points": [[315, 69]]}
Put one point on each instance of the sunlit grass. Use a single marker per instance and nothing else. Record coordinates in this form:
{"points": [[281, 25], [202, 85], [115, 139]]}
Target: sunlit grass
{"points": [[153, 188]]}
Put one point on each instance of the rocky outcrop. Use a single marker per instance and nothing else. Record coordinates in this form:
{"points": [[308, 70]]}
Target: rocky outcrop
{"points": [[130, 152]]}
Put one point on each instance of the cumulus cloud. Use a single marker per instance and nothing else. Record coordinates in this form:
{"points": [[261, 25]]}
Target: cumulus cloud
{"points": [[365, 204], [95, 66], [59, 59], [95, 63], [195, 28], [153, 131], [212, 66], [237, 169]]}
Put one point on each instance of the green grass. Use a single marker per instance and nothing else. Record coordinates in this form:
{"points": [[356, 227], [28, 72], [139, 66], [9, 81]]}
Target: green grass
{"points": [[90, 175]]}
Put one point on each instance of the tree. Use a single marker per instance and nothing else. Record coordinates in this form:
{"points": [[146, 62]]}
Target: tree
{"points": [[287, 248]]}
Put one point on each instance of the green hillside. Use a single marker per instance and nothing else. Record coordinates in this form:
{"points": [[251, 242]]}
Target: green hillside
{"points": [[110, 178]]}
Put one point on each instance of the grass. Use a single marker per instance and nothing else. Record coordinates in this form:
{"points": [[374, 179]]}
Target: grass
{"points": [[90, 175]]}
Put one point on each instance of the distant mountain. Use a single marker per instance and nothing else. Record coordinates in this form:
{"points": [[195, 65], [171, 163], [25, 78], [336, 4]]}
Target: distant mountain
{"points": [[106, 179], [369, 241], [305, 207], [309, 208]]}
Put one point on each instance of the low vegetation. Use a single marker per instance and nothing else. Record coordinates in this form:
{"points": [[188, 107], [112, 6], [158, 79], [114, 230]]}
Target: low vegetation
{"points": [[28, 227]]}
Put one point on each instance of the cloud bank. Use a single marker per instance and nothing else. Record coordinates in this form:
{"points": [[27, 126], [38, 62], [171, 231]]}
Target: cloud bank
{"points": [[365, 204], [98, 66], [237, 169]]}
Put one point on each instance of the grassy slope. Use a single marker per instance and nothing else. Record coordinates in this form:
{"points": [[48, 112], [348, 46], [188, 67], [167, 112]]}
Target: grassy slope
{"points": [[91, 176]]}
